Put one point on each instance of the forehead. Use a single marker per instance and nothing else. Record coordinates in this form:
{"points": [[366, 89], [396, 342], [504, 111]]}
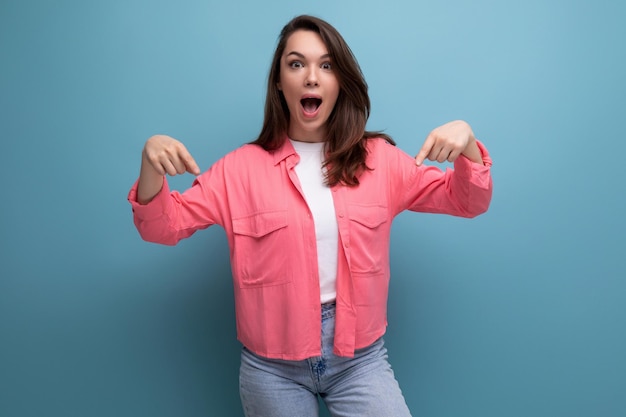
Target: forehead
{"points": [[305, 42]]}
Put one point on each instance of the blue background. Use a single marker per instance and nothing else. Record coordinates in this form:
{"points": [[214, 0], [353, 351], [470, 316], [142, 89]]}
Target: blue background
{"points": [[520, 312]]}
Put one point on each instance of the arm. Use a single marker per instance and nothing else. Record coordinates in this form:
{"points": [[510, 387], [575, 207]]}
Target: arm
{"points": [[161, 216], [464, 191]]}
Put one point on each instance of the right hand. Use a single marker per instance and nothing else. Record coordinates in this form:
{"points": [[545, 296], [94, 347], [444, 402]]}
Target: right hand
{"points": [[165, 154]]}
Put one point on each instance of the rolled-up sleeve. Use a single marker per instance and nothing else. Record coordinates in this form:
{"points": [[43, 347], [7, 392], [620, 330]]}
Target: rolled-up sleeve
{"points": [[171, 216], [153, 209]]}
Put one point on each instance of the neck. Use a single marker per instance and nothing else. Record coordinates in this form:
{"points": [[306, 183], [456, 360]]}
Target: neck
{"points": [[300, 135]]}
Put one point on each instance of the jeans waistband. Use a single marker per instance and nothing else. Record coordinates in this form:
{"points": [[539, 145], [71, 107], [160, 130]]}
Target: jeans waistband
{"points": [[328, 310]]}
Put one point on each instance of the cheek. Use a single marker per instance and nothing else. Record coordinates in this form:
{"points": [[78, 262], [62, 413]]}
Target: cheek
{"points": [[335, 96], [288, 90], [291, 100], [335, 89]]}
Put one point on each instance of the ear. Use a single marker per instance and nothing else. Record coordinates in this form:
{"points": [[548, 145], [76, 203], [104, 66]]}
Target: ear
{"points": [[280, 87]]}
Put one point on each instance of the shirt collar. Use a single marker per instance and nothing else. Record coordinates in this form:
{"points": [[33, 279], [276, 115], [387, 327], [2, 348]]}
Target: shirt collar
{"points": [[284, 151]]}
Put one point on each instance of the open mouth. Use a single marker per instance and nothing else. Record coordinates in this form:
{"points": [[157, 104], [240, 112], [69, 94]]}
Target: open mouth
{"points": [[311, 104]]}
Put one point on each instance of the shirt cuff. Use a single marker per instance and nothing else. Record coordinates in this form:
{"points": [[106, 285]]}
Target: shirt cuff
{"points": [[465, 166], [153, 209]]}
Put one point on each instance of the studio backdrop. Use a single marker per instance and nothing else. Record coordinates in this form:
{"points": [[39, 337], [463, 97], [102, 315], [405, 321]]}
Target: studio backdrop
{"points": [[519, 312]]}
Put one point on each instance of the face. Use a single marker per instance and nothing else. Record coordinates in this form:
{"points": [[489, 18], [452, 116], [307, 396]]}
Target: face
{"points": [[309, 85]]}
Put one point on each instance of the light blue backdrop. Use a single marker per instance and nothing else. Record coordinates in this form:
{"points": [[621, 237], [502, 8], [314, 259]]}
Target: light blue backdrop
{"points": [[518, 313]]}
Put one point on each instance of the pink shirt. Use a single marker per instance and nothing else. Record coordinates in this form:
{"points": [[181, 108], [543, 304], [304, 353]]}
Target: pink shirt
{"points": [[256, 197]]}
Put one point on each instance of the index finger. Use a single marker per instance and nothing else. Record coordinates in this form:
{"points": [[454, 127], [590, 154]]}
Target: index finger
{"points": [[426, 148], [189, 162]]}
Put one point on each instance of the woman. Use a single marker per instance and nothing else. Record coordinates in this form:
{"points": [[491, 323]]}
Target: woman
{"points": [[307, 209]]}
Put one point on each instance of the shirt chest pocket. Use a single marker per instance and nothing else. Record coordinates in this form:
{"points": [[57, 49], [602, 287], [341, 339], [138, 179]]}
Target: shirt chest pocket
{"points": [[260, 241], [369, 238]]}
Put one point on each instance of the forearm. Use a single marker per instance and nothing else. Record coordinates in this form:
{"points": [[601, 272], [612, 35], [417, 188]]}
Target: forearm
{"points": [[150, 182]]}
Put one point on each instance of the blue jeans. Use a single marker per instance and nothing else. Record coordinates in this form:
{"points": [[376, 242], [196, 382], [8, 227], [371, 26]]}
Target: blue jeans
{"points": [[361, 386]]}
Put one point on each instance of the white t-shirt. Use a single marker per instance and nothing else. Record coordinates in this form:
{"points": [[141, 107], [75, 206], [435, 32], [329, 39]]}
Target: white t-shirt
{"points": [[320, 201]]}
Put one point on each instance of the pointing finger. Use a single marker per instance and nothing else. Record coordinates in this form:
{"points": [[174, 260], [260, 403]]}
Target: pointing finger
{"points": [[190, 164], [192, 167], [426, 148]]}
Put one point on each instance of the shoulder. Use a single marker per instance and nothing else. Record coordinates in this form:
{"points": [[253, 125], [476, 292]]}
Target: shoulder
{"points": [[246, 155], [252, 160], [248, 150], [376, 142], [379, 149]]}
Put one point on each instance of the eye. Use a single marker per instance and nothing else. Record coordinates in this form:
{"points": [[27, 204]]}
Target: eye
{"points": [[327, 66], [295, 64]]}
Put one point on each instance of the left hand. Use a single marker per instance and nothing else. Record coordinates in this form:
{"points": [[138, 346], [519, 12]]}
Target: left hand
{"points": [[447, 142]]}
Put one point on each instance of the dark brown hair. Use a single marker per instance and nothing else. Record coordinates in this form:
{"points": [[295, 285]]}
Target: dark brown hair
{"points": [[346, 142]]}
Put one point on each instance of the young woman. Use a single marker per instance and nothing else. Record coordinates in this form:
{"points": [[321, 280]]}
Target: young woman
{"points": [[307, 209]]}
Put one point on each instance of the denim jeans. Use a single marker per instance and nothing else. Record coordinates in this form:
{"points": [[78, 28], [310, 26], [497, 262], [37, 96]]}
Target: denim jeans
{"points": [[350, 387]]}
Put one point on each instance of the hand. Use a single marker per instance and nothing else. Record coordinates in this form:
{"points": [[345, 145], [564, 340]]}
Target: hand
{"points": [[447, 142], [167, 155]]}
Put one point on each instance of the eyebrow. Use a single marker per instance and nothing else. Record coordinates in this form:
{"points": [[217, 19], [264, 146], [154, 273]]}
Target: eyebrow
{"points": [[301, 56]]}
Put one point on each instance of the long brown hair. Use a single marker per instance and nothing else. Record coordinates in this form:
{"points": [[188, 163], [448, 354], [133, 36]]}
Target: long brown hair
{"points": [[346, 142]]}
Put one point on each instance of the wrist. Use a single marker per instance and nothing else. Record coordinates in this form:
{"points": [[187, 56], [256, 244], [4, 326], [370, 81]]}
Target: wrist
{"points": [[472, 151]]}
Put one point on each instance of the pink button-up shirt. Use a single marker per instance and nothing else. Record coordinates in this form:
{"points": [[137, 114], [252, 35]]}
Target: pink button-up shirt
{"points": [[256, 197]]}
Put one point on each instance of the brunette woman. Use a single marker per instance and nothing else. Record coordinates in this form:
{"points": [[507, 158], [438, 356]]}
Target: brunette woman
{"points": [[307, 209]]}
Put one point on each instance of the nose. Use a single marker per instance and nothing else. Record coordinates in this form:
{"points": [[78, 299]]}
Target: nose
{"points": [[311, 79]]}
